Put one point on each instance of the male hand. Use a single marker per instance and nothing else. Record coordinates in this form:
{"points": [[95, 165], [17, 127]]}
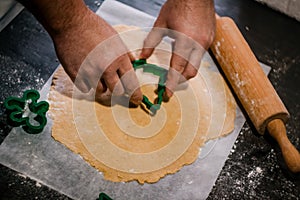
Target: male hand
{"points": [[94, 56], [88, 48], [191, 24]]}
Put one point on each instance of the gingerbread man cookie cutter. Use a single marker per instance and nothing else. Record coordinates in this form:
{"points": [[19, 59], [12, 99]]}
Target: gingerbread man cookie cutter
{"points": [[27, 112]]}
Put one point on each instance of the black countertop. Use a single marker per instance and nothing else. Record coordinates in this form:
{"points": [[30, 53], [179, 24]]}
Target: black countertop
{"points": [[253, 170]]}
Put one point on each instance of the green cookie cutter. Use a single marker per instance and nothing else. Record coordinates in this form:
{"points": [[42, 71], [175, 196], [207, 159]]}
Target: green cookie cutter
{"points": [[20, 109], [158, 71], [103, 196]]}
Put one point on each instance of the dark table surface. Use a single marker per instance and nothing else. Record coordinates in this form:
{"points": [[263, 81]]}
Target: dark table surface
{"points": [[253, 170]]}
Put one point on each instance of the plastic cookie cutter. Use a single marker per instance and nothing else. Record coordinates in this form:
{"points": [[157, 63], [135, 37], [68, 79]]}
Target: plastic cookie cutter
{"points": [[162, 74], [103, 196], [27, 112]]}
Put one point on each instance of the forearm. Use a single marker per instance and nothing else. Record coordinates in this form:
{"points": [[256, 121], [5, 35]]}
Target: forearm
{"points": [[56, 15]]}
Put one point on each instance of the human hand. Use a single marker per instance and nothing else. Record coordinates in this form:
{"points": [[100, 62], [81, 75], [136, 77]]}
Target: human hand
{"points": [[89, 49], [94, 56], [191, 24]]}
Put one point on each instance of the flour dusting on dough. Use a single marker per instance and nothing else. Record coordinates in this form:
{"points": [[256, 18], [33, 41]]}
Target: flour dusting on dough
{"points": [[205, 106]]}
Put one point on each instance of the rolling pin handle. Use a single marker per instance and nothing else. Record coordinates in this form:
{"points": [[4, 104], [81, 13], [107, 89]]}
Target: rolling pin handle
{"points": [[291, 156]]}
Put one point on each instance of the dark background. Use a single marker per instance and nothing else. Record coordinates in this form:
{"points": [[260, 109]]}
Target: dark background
{"points": [[253, 170]]}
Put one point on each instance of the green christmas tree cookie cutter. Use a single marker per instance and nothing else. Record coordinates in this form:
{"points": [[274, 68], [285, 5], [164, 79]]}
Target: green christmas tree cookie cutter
{"points": [[162, 74], [27, 112]]}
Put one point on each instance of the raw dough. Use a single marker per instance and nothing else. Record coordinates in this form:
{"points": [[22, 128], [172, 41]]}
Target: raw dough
{"points": [[127, 144]]}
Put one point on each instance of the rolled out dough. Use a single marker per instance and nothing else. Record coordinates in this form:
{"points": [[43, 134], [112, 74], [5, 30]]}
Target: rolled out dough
{"points": [[128, 144]]}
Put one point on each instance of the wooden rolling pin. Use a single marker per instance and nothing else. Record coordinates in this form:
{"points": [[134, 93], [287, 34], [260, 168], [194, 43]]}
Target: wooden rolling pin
{"points": [[252, 87]]}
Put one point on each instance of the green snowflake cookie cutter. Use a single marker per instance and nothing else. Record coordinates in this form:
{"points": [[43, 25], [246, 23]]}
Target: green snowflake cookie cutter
{"points": [[158, 71], [21, 109]]}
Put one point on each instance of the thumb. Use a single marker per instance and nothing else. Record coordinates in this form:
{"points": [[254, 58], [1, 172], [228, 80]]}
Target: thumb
{"points": [[152, 40]]}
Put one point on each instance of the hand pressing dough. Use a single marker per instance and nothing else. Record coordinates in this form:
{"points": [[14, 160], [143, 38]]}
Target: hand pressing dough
{"points": [[128, 144]]}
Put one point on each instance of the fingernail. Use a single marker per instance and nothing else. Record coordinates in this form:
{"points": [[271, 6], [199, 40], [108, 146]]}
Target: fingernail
{"points": [[166, 98], [146, 52], [136, 100], [142, 56], [132, 105]]}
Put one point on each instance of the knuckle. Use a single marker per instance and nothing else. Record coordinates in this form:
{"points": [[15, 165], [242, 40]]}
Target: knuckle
{"points": [[122, 57], [183, 46], [191, 74], [179, 65], [206, 39], [121, 61], [108, 73]]}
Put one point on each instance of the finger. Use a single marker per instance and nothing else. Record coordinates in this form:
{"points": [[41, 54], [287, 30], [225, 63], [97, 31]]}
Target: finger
{"points": [[99, 90], [78, 79], [130, 81], [111, 79], [179, 61], [91, 76], [82, 84], [152, 40], [103, 96], [193, 65], [101, 87], [131, 56], [132, 87]]}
